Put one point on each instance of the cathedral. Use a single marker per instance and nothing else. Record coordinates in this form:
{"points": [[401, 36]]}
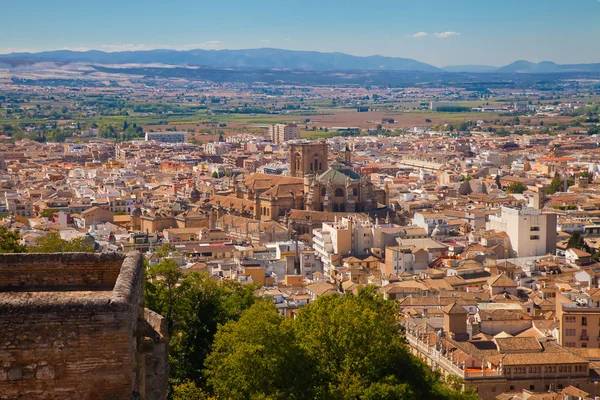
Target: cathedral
{"points": [[335, 189], [313, 185]]}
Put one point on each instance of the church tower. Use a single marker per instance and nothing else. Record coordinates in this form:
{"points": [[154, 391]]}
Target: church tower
{"points": [[347, 154], [308, 158]]}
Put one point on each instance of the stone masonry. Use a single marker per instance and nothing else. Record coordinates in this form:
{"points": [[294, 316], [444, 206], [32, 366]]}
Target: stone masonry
{"points": [[73, 326]]}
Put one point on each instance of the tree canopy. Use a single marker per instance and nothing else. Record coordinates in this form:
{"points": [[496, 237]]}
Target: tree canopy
{"points": [[339, 347], [516, 188], [53, 243], [9, 241], [556, 185], [195, 306], [576, 241]]}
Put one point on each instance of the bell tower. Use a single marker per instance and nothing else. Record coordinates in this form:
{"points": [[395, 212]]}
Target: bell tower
{"points": [[308, 158]]}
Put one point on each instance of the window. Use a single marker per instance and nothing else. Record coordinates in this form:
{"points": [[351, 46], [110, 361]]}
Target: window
{"points": [[583, 321], [534, 229], [569, 319], [583, 345], [534, 237], [323, 191], [532, 388], [511, 388], [339, 192]]}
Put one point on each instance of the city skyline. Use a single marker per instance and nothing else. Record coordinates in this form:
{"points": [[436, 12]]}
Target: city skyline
{"points": [[438, 33]]}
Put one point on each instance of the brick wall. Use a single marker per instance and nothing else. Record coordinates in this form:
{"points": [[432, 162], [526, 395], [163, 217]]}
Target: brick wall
{"points": [[34, 272], [73, 344]]}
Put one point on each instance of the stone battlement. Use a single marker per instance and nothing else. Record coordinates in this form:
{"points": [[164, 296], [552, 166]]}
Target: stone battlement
{"points": [[59, 271], [73, 326]]}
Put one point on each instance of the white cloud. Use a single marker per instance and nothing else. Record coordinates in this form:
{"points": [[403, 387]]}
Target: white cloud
{"points": [[444, 35], [420, 34], [265, 40]]}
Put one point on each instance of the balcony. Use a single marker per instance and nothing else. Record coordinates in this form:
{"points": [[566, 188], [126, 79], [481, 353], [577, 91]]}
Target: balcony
{"points": [[584, 337]]}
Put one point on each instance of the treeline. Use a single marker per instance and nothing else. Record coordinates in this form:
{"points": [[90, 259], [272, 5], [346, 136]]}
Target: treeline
{"points": [[228, 344], [452, 109], [51, 242]]}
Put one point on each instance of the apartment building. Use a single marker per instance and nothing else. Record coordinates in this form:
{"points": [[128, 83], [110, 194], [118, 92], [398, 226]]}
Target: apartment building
{"points": [[579, 318], [531, 232], [167, 137], [400, 259], [351, 236], [281, 133]]}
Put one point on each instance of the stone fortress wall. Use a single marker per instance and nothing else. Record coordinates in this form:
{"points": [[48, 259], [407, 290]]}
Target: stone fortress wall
{"points": [[73, 326]]}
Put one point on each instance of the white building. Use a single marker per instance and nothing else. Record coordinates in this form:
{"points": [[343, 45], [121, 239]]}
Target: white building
{"points": [[351, 237], [531, 232], [428, 220], [167, 137]]}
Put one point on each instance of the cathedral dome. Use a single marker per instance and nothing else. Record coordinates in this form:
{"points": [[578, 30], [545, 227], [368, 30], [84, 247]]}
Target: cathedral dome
{"points": [[337, 174]]}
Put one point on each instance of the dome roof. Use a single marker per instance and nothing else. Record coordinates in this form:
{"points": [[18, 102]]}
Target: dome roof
{"points": [[136, 212], [337, 174]]}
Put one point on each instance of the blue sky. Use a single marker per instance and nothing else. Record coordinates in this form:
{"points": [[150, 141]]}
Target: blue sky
{"points": [[440, 32]]}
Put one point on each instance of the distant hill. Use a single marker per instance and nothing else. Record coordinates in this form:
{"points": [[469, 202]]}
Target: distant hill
{"points": [[545, 67], [268, 58], [470, 68], [251, 58]]}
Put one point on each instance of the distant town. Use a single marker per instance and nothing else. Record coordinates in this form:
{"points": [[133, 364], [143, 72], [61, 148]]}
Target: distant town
{"points": [[471, 212]]}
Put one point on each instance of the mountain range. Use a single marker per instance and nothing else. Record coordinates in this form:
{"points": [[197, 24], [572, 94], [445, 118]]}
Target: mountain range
{"points": [[269, 58]]}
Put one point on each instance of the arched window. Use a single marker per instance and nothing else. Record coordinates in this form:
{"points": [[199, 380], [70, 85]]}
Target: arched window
{"points": [[354, 192], [339, 192], [323, 191]]}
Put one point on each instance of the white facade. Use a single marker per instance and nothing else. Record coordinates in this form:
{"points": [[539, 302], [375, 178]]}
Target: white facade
{"points": [[531, 233], [167, 137], [428, 221], [351, 236]]}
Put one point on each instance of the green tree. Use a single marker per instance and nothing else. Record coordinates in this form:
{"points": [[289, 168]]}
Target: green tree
{"points": [[53, 243], [210, 304], [516, 188], [9, 241], [165, 292], [257, 358], [47, 213], [356, 343], [164, 250], [576, 241], [188, 391], [347, 347], [195, 306], [555, 185]]}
